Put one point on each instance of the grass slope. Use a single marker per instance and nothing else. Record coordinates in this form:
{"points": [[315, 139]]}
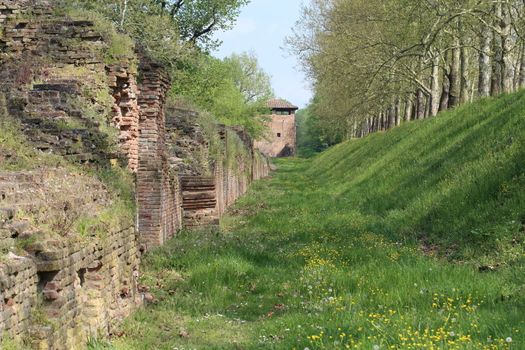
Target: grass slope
{"points": [[374, 244], [457, 180]]}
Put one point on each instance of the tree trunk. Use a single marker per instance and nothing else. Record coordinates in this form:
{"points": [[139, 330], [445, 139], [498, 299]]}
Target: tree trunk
{"points": [[398, 111], [420, 104], [445, 91], [124, 10], [517, 71], [464, 68], [454, 76], [391, 116], [435, 87], [485, 69], [508, 38], [408, 110], [497, 65], [522, 69], [427, 106]]}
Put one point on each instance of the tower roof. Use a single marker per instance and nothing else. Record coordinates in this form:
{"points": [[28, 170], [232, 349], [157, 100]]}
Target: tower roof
{"points": [[278, 103]]}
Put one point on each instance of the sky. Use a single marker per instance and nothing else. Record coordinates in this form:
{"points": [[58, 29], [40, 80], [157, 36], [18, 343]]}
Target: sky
{"points": [[261, 29]]}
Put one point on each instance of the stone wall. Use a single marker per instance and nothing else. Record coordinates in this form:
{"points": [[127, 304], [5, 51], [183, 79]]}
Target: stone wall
{"points": [[54, 77], [59, 286]]}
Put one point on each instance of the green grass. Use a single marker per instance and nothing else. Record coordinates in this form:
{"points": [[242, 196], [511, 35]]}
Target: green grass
{"points": [[374, 244]]}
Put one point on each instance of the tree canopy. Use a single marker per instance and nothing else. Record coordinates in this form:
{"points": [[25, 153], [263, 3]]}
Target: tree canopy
{"points": [[234, 89], [375, 63], [195, 21], [198, 20]]}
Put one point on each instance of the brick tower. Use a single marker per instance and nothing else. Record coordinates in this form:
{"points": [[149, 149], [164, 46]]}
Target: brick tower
{"points": [[280, 141]]}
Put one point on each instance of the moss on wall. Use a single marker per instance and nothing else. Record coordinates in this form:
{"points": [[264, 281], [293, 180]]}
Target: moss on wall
{"points": [[237, 155]]}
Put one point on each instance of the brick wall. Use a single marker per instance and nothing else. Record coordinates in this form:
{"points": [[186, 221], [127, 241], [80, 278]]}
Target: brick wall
{"points": [[124, 89], [49, 68], [58, 289], [211, 182], [61, 288], [157, 190]]}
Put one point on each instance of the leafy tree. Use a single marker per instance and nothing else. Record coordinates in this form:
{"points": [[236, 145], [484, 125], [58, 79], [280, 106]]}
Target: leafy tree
{"points": [[313, 133], [194, 21], [376, 63], [198, 20], [178, 34], [215, 85], [253, 82]]}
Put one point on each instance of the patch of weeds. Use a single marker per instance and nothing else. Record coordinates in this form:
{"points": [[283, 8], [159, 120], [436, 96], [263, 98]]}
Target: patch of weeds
{"points": [[98, 344], [120, 180], [120, 46], [209, 127], [15, 152], [8, 343], [39, 317], [117, 217], [236, 153], [21, 244]]}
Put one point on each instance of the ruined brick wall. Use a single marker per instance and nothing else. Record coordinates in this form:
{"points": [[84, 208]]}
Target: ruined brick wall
{"points": [[51, 70], [58, 289], [157, 190], [187, 145], [260, 166], [124, 89], [211, 179], [18, 283]]}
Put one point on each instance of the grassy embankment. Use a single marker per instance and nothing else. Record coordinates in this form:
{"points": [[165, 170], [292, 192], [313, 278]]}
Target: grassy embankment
{"points": [[410, 239]]}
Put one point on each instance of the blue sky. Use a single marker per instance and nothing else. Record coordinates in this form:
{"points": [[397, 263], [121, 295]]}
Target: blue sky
{"points": [[261, 28]]}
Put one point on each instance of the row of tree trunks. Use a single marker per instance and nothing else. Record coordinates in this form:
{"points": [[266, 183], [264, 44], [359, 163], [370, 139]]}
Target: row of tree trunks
{"points": [[452, 79]]}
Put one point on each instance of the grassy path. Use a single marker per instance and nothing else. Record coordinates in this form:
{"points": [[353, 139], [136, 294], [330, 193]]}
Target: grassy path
{"points": [[291, 270]]}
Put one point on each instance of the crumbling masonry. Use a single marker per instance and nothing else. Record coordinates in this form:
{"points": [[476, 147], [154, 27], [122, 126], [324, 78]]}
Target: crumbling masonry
{"points": [[59, 292]]}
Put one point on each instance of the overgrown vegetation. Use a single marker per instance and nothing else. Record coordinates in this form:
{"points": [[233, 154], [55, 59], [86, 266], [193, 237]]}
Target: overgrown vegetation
{"points": [[312, 136], [9, 344], [120, 47], [236, 152], [234, 90], [117, 216], [15, 153], [410, 239], [179, 35]]}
